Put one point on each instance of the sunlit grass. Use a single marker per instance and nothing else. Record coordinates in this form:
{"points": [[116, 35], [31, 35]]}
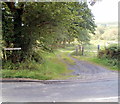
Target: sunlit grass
{"points": [[52, 68], [64, 55], [95, 60]]}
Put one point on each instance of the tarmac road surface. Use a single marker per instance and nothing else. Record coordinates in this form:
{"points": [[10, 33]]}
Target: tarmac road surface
{"points": [[95, 91], [92, 84]]}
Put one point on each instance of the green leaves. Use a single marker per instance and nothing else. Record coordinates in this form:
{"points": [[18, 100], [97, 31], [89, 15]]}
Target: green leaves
{"points": [[50, 23]]}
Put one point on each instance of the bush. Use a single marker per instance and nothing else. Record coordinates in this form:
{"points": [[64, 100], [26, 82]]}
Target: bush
{"points": [[111, 51], [31, 63], [110, 54]]}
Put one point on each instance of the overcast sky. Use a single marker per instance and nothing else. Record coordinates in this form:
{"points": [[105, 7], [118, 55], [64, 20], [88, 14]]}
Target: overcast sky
{"points": [[105, 11]]}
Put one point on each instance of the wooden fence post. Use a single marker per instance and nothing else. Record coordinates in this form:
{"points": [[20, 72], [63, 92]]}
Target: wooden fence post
{"points": [[79, 46], [98, 47], [76, 50], [82, 50]]}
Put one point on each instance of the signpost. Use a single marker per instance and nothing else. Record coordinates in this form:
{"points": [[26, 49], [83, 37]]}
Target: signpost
{"points": [[12, 49], [9, 49]]}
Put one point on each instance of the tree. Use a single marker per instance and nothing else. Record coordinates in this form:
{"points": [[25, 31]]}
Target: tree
{"points": [[41, 25]]}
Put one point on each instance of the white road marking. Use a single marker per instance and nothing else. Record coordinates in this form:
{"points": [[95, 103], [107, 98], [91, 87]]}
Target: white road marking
{"points": [[105, 99]]}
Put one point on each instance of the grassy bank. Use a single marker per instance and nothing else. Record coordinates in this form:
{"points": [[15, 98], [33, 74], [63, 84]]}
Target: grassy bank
{"points": [[102, 62], [52, 68], [105, 63]]}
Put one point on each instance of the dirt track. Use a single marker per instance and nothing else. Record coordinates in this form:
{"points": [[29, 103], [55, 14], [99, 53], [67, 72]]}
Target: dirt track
{"points": [[87, 71]]}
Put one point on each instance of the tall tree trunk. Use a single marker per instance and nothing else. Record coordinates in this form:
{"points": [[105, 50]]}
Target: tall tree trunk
{"points": [[17, 13]]}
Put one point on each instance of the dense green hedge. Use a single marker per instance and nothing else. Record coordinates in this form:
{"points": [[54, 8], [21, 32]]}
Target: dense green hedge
{"points": [[111, 53]]}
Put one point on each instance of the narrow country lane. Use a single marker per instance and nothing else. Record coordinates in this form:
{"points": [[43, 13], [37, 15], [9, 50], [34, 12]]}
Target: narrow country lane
{"points": [[93, 83], [87, 71], [99, 91]]}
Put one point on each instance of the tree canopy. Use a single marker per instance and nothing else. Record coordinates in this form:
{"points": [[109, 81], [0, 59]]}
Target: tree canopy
{"points": [[44, 25]]}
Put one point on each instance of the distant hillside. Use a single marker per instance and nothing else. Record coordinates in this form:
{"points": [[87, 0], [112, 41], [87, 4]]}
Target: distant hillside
{"points": [[107, 23]]}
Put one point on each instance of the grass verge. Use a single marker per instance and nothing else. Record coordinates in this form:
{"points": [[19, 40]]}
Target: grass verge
{"points": [[52, 68], [94, 60]]}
